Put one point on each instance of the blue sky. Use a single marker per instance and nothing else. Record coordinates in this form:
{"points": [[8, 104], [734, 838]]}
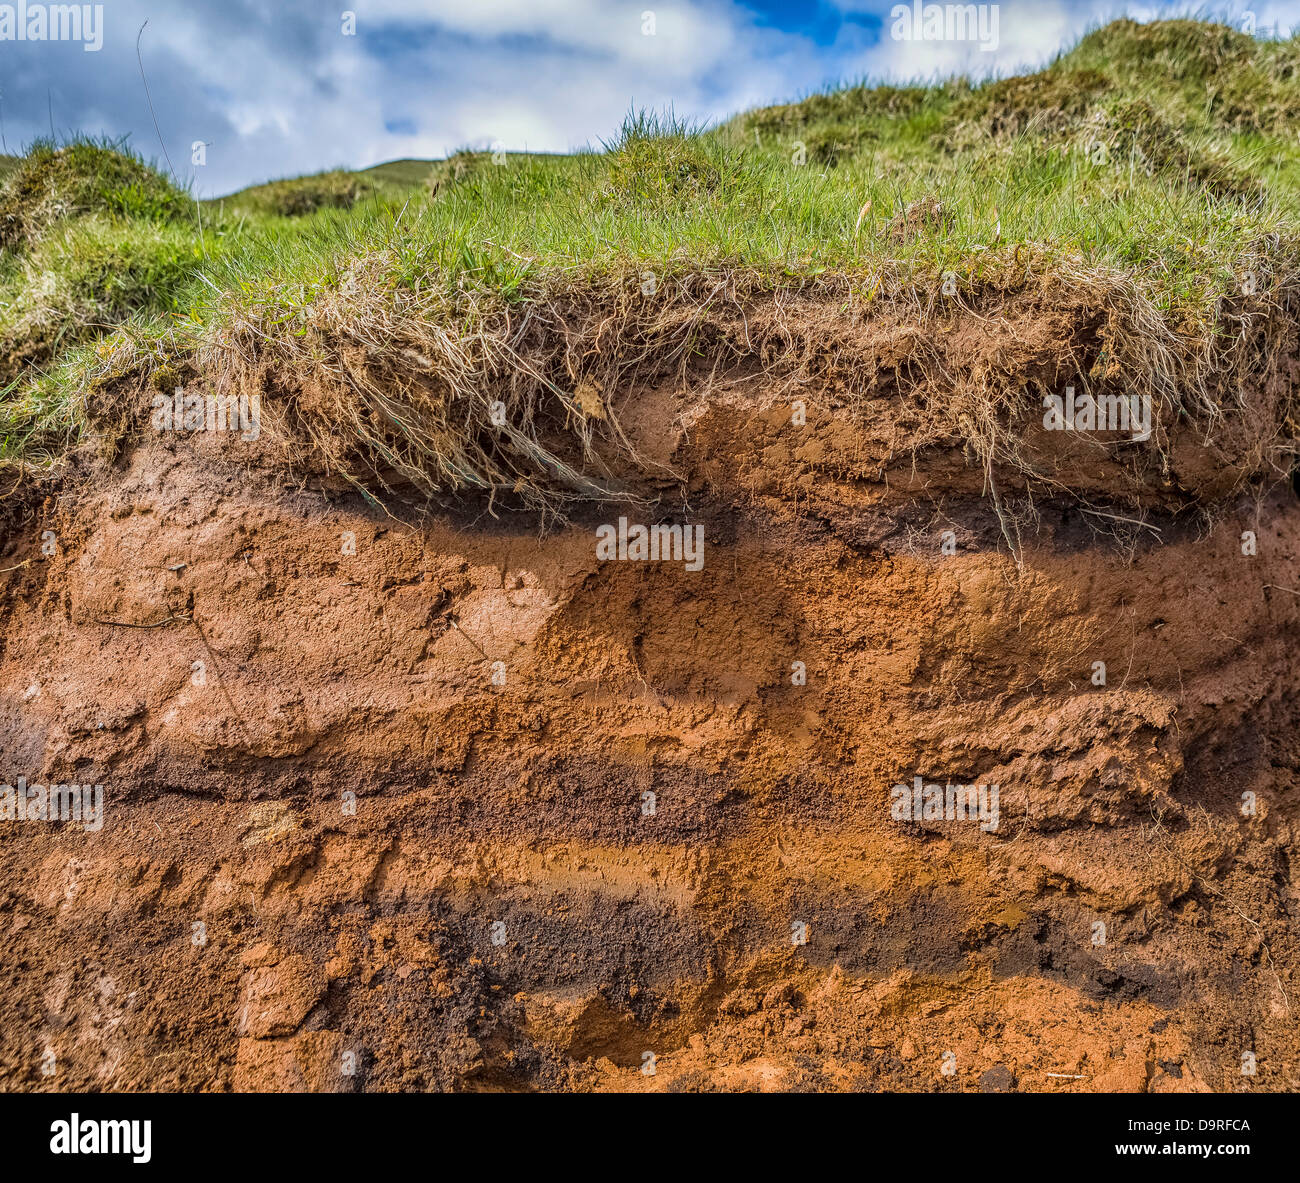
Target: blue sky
{"points": [[282, 87]]}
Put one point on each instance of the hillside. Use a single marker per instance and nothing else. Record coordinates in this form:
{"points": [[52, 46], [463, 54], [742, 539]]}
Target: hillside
{"points": [[735, 609]]}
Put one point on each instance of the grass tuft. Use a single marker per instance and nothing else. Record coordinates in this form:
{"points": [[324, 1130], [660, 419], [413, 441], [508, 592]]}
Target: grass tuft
{"points": [[52, 183], [298, 196]]}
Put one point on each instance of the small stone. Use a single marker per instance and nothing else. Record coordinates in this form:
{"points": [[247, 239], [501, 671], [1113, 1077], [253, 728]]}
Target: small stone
{"points": [[998, 1079]]}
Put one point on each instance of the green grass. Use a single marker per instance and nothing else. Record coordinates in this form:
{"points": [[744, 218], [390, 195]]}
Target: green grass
{"points": [[1165, 151], [297, 197], [92, 236], [407, 174]]}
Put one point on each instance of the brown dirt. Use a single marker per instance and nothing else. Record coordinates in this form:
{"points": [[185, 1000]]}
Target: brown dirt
{"points": [[937, 956]]}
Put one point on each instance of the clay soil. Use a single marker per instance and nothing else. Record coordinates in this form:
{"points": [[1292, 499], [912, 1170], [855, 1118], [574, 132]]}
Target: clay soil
{"points": [[392, 832]]}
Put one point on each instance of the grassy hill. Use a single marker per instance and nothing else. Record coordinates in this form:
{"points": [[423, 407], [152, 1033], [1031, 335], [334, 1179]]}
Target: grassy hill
{"points": [[336, 189], [1160, 160], [342, 188], [405, 173]]}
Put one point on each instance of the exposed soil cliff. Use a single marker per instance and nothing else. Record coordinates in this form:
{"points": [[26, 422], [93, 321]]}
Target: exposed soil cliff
{"points": [[435, 798]]}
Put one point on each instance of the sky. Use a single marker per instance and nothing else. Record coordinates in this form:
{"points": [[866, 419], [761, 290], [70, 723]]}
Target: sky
{"points": [[274, 88]]}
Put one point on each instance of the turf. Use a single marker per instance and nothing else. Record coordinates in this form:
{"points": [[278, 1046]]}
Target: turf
{"points": [[1163, 152]]}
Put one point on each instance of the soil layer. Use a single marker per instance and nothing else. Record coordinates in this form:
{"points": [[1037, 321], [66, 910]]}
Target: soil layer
{"points": [[437, 799]]}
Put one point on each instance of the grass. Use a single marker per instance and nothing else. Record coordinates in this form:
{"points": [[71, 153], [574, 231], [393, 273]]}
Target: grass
{"points": [[1158, 160], [405, 174], [337, 189]]}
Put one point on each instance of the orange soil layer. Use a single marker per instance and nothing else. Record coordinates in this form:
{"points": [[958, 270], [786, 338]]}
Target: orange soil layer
{"points": [[501, 911]]}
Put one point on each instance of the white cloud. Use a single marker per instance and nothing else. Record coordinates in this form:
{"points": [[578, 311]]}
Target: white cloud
{"points": [[278, 90]]}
